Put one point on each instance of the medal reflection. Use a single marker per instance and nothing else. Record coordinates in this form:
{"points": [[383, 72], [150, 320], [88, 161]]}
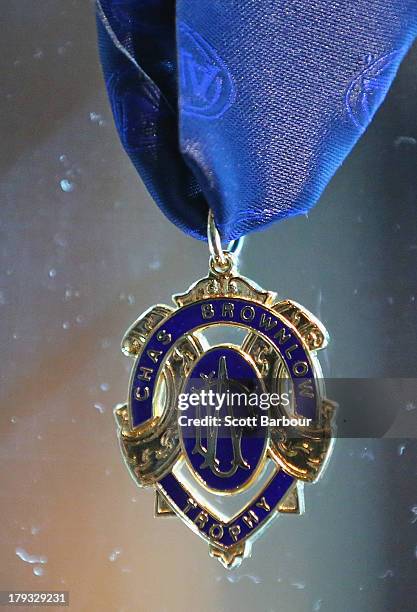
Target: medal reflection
{"points": [[226, 480]]}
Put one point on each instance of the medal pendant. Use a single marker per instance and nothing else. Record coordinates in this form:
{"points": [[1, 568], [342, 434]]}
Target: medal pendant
{"points": [[226, 415]]}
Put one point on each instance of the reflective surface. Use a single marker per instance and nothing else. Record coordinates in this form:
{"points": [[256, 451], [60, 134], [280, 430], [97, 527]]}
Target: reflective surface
{"points": [[83, 251]]}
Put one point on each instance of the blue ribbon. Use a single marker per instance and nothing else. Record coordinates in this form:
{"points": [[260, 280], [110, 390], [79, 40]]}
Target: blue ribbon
{"points": [[247, 107]]}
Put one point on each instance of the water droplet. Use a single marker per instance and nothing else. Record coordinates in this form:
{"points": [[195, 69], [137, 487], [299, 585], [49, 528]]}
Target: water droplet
{"points": [[38, 570], [410, 406], [52, 273], [298, 585], [60, 241], [62, 49], [25, 556], [63, 159], [38, 54], [401, 449], [236, 578], [387, 574], [104, 386], [66, 325], [367, 453], [100, 408], [115, 554], [414, 511], [131, 299], [35, 530], [405, 140], [317, 605], [67, 186], [155, 264], [254, 579], [79, 318], [13, 419], [97, 118]]}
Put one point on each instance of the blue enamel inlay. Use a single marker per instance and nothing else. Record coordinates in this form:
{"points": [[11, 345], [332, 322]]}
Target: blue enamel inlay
{"points": [[233, 464], [190, 317], [272, 494]]}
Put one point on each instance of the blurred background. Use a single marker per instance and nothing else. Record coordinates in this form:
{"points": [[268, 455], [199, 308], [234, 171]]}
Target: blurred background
{"points": [[84, 251]]}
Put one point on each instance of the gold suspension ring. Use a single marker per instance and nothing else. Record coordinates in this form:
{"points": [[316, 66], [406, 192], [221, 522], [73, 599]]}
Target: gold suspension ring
{"points": [[221, 260]]}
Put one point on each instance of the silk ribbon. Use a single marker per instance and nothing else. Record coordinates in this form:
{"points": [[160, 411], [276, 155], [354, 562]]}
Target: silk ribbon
{"points": [[247, 107]]}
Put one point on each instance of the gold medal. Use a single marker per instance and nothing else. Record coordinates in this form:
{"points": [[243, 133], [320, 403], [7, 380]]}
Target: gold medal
{"points": [[226, 415]]}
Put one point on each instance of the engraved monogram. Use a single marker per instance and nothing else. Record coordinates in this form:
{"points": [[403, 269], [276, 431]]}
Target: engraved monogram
{"points": [[209, 452]]}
